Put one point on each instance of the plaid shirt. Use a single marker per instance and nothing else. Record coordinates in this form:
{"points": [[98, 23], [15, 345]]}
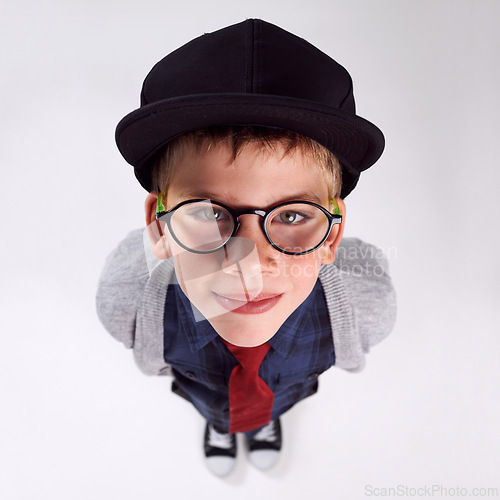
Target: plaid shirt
{"points": [[201, 363]]}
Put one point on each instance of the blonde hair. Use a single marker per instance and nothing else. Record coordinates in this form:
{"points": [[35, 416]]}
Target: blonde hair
{"points": [[168, 158]]}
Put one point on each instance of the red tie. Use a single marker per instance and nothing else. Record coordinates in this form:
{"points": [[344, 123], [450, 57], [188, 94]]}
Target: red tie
{"points": [[250, 398]]}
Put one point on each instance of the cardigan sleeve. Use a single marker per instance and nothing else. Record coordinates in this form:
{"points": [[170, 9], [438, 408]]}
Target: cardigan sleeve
{"points": [[121, 287], [364, 270]]}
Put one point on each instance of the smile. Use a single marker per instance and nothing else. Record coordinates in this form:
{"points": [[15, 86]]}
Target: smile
{"points": [[239, 304]]}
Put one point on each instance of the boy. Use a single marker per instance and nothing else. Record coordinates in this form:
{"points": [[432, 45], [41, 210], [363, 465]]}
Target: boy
{"points": [[247, 141]]}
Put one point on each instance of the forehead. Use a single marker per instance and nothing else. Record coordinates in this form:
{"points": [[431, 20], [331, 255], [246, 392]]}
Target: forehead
{"points": [[256, 177]]}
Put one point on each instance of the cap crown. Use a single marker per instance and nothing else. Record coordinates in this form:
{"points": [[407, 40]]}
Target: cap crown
{"points": [[252, 57]]}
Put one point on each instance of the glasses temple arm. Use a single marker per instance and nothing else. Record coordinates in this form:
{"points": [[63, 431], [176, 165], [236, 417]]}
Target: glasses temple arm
{"points": [[336, 209], [159, 204]]}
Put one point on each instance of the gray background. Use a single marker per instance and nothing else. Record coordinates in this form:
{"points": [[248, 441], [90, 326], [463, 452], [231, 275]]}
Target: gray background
{"points": [[78, 419]]}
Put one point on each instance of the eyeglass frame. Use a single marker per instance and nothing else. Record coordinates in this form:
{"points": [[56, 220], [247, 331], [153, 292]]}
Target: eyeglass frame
{"points": [[333, 219]]}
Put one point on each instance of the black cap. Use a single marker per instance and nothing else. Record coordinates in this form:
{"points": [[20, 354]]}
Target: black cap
{"points": [[251, 73]]}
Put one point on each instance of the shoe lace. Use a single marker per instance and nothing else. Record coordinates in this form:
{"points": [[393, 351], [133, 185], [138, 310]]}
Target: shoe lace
{"points": [[267, 433], [219, 440]]}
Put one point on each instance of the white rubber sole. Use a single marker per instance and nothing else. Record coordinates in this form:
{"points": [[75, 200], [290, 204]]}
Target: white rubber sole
{"points": [[264, 459], [220, 466]]}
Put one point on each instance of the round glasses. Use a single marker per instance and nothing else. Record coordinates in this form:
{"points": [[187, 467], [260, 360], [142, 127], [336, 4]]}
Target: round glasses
{"points": [[205, 226]]}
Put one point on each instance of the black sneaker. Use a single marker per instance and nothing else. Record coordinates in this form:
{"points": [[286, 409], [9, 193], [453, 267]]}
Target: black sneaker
{"points": [[220, 450], [264, 448]]}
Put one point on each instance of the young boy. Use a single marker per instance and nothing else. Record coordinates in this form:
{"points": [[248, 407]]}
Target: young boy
{"points": [[241, 289]]}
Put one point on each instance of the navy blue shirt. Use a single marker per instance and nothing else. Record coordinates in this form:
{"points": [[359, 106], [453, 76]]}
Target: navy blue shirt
{"points": [[300, 350]]}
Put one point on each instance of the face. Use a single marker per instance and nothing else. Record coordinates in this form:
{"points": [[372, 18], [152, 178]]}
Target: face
{"points": [[248, 289]]}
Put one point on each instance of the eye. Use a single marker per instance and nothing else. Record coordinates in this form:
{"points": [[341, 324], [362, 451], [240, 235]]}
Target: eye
{"points": [[290, 217], [208, 214], [212, 214]]}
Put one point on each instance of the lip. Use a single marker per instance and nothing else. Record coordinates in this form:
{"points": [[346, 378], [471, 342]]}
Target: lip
{"points": [[240, 305]]}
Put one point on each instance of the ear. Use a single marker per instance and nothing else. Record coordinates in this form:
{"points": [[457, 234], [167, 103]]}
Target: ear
{"points": [[333, 241], [156, 230]]}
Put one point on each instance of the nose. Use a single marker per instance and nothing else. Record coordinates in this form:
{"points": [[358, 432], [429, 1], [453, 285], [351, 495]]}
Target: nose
{"points": [[249, 252]]}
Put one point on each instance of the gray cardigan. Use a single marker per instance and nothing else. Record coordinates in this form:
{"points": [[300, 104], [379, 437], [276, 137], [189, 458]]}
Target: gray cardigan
{"points": [[133, 286]]}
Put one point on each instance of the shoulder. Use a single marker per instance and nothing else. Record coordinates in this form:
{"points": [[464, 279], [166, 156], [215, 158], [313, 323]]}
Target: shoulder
{"points": [[362, 270], [121, 286], [358, 258], [127, 261]]}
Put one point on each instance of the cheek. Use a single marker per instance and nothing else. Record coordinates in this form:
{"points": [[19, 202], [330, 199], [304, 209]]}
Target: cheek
{"points": [[302, 272], [303, 267], [195, 269]]}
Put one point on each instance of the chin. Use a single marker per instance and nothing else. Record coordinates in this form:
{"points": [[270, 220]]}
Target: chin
{"points": [[246, 333], [246, 341]]}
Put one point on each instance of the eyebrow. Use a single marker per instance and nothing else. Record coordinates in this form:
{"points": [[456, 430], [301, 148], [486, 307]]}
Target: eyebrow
{"points": [[227, 199]]}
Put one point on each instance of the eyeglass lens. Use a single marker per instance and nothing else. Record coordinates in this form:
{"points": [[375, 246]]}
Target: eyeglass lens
{"points": [[204, 226], [297, 227]]}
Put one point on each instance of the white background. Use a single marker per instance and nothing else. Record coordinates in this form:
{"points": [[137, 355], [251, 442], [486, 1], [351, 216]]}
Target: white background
{"points": [[79, 421]]}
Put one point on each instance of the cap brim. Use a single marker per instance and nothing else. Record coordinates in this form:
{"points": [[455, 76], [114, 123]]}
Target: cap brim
{"points": [[355, 141]]}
